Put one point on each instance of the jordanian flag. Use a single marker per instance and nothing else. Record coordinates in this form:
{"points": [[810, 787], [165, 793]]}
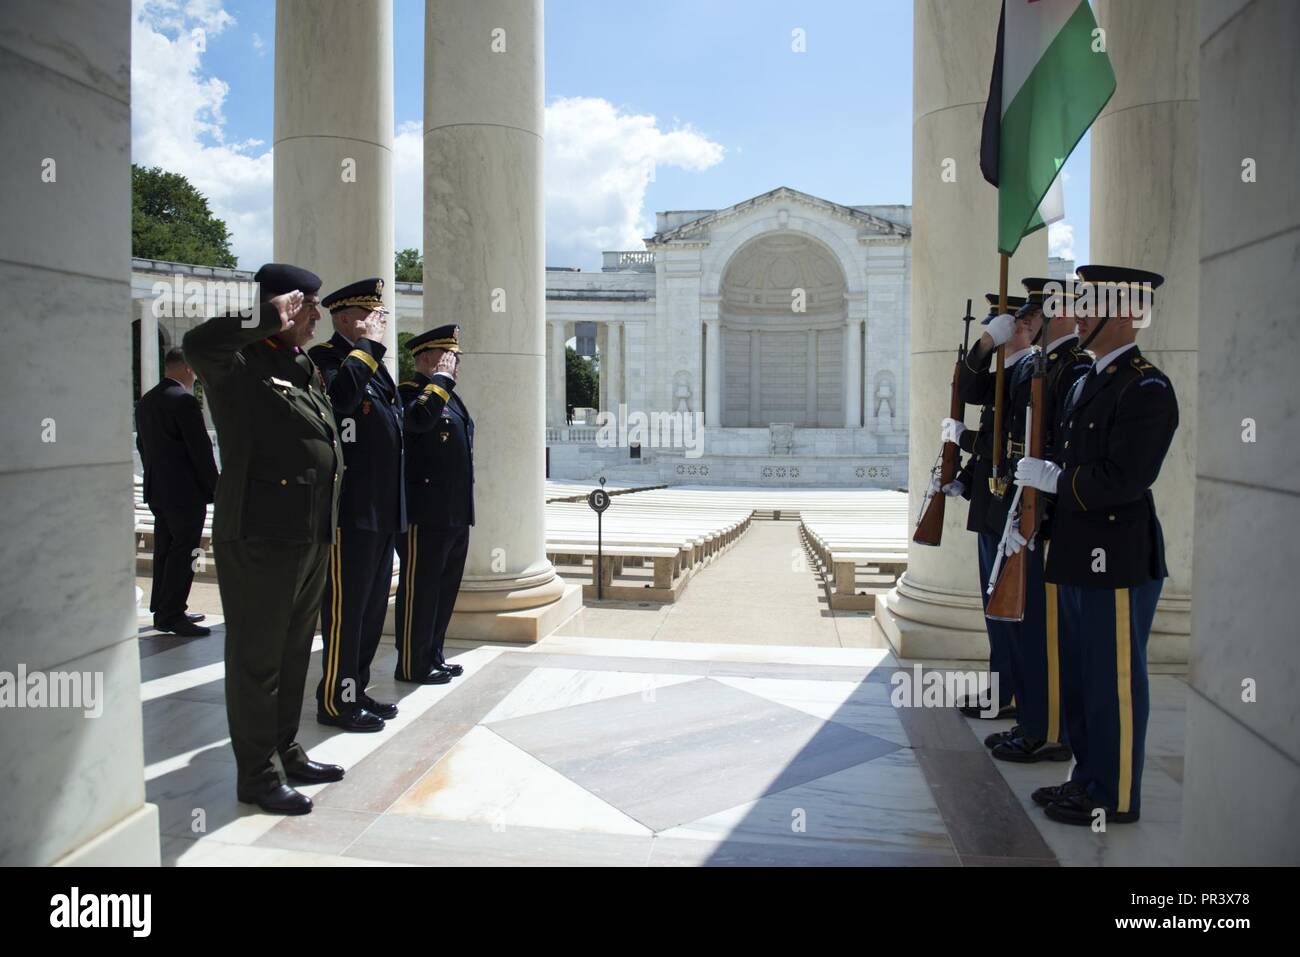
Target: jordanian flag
{"points": [[1051, 77]]}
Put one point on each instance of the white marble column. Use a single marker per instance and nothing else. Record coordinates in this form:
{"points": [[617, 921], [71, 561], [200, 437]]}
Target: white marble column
{"points": [[810, 380], [483, 268], [71, 778], [149, 371], [615, 339], [756, 380], [556, 372], [713, 372], [333, 191], [853, 373], [1146, 214], [1241, 776], [935, 610]]}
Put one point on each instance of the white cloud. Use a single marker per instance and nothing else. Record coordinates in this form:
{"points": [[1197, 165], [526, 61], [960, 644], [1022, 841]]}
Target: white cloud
{"points": [[599, 159], [177, 120], [1060, 240]]}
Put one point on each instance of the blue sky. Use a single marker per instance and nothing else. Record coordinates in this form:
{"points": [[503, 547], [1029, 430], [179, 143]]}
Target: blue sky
{"points": [[675, 104]]}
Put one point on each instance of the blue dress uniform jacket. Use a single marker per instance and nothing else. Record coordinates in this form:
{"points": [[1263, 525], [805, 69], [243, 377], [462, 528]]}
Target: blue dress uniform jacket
{"points": [[976, 385], [1116, 427], [366, 406], [439, 454]]}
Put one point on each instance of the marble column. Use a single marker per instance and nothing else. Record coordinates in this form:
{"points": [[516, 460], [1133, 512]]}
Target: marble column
{"points": [[333, 190], [853, 374], [483, 268], [1146, 213], [72, 786], [556, 374], [149, 371], [713, 372], [1241, 777], [602, 384], [615, 339], [935, 610], [756, 380], [810, 380]]}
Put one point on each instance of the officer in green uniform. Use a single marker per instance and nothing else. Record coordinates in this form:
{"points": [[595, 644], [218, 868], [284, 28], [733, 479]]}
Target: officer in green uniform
{"points": [[274, 519]]}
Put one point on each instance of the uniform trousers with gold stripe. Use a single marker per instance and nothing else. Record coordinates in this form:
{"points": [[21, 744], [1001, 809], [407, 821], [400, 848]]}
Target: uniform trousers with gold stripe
{"points": [[433, 562], [1036, 652], [359, 578], [1004, 650], [1104, 635]]}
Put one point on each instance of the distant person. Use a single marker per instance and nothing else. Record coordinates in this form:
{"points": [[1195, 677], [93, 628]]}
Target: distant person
{"points": [[276, 512], [568, 414], [180, 479]]}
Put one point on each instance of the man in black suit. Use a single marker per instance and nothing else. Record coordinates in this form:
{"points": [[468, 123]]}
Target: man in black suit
{"points": [[180, 479]]}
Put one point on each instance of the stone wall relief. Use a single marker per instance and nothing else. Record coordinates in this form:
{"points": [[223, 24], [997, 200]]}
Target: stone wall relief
{"points": [[884, 402]]}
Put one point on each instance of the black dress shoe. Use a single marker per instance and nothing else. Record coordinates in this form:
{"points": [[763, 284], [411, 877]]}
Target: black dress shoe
{"points": [[185, 628], [1081, 810], [436, 676], [1026, 750], [360, 721], [1056, 792], [974, 711], [454, 670], [313, 772], [280, 799], [997, 737], [386, 711], [196, 618]]}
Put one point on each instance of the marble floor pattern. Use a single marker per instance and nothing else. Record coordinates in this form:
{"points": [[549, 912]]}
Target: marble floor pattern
{"points": [[590, 751]]}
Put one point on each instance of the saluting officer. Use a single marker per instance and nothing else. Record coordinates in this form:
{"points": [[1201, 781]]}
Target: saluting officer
{"points": [[976, 384], [1107, 551], [1039, 732], [440, 499], [276, 504], [372, 506]]}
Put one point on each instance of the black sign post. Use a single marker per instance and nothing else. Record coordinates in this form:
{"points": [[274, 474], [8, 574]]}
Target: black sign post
{"points": [[598, 499]]}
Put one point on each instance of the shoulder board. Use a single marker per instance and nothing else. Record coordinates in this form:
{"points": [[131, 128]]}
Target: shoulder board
{"points": [[413, 385], [323, 345], [1141, 364]]}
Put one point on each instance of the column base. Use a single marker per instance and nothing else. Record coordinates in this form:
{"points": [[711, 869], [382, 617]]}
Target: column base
{"points": [[519, 625], [131, 842]]}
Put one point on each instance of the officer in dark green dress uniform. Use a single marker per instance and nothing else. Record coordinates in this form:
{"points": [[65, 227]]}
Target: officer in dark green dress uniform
{"points": [[1107, 549], [976, 384], [276, 506], [1039, 732], [372, 506], [440, 499]]}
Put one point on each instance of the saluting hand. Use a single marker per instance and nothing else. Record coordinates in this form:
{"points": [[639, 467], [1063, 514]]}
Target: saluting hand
{"points": [[447, 365], [288, 305], [372, 326]]}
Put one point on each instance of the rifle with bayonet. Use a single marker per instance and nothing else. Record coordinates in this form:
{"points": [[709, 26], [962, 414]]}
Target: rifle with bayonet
{"points": [[929, 527], [1007, 581]]}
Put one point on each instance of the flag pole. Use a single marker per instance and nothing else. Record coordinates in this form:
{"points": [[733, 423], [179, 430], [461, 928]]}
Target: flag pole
{"points": [[996, 485]]}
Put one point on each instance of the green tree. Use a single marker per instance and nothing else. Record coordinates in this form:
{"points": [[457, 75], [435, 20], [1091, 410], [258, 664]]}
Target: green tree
{"points": [[405, 363], [170, 220], [409, 265], [581, 379]]}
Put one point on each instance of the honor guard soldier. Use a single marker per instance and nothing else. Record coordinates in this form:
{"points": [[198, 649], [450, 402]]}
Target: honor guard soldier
{"points": [[372, 505], [1107, 550], [276, 505], [1039, 732], [440, 500], [976, 384]]}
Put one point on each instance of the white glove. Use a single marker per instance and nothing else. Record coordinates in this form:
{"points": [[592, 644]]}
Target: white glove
{"points": [[954, 489], [1000, 328], [1015, 541], [1039, 473], [951, 430]]}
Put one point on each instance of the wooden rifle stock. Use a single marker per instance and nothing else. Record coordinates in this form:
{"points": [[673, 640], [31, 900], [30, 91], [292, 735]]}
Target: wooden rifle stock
{"points": [[929, 530], [1007, 603]]}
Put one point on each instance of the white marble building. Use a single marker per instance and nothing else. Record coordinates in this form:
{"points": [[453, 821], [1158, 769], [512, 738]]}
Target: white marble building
{"points": [[781, 322]]}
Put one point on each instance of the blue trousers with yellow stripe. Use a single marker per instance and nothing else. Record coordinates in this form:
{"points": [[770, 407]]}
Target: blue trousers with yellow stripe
{"points": [[1104, 635], [1004, 650]]}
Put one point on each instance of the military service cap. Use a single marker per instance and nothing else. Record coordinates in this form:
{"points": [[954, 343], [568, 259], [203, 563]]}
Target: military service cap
{"points": [[444, 337], [364, 293], [1013, 303], [276, 279], [1036, 289], [1139, 284]]}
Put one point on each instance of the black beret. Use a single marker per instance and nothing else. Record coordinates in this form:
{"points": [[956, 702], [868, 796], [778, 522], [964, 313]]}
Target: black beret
{"points": [[444, 337], [364, 293], [278, 278]]}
